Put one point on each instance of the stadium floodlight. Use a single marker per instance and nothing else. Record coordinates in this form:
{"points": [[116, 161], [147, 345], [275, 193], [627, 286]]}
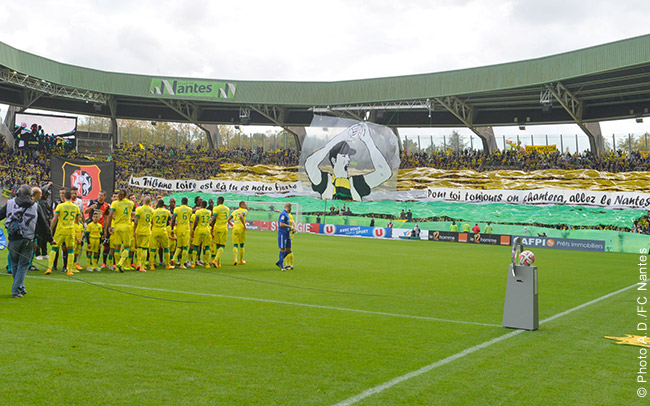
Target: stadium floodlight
{"points": [[244, 115], [546, 100]]}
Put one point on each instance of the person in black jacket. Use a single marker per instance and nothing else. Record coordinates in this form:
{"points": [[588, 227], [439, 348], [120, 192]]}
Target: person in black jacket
{"points": [[24, 223], [46, 208]]}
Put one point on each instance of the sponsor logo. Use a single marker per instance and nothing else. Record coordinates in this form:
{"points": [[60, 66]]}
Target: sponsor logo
{"points": [[329, 229], [174, 87], [462, 237], [378, 232], [564, 243], [449, 236]]}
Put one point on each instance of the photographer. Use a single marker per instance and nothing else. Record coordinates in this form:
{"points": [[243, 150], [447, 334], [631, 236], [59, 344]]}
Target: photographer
{"points": [[24, 223]]}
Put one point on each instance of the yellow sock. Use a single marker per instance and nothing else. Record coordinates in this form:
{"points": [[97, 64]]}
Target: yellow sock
{"points": [[123, 256], [241, 254], [176, 253], [166, 257], [289, 259], [50, 261], [152, 256], [142, 256], [206, 256], [235, 252], [217, 256]]}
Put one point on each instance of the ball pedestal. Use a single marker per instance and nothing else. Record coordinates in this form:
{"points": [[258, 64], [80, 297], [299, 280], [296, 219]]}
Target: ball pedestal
{"points": [[520, 310]]}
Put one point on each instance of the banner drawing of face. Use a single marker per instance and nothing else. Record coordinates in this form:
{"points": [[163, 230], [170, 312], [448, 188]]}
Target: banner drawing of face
{"points": [[347, 160]]}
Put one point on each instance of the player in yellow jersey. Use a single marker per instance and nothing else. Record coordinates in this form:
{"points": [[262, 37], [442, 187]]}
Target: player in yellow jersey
{"points": [[181, 226], [120, 212], [78, 239], [237, 220], [64, 218], [159, 236], [201, 235], [219, 230], [94, 232], [142, 233]]}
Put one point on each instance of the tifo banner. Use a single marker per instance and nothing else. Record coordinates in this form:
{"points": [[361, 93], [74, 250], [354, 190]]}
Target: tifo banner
{"points": [[212, 185], [541, 148], [354, 231], [626, 200], [348, 160], [563, 243], [89, 177]]}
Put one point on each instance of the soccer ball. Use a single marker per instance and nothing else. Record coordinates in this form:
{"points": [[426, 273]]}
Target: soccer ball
{"points": [[526, 258]]}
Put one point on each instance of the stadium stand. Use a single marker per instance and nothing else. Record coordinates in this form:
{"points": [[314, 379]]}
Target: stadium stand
{"points": [[32, 166]]}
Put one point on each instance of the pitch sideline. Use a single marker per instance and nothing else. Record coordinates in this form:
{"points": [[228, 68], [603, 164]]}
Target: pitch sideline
{"points": [[253, 299]]}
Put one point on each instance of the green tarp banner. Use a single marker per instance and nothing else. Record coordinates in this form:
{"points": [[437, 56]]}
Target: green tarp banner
{"points": [[492, 212]]}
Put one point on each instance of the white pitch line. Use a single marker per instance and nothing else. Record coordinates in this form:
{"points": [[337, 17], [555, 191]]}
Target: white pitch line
{"points": [[253, 299], [389, 384]]}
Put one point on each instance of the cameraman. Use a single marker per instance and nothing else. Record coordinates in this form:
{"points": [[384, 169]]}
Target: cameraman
{"points": [[24, 222]]}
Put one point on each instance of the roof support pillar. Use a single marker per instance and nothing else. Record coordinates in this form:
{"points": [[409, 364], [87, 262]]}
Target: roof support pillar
{"points": [[299, 134], [575, 107], [190, 112], [213, 134], [115, 129], [29, 98], [465, 113], [399, 141]]}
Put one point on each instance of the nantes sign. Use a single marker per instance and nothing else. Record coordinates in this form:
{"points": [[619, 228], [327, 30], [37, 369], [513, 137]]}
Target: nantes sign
{"points": [[193, 88]]}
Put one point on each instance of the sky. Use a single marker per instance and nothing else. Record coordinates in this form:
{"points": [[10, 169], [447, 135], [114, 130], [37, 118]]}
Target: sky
{"points": [[318, 41]]}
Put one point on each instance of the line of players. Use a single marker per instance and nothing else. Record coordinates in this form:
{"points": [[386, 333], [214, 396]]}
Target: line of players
{"points": [[132, 236]]}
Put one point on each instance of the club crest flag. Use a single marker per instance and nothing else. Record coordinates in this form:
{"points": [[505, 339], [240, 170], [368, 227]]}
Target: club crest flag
{"points": [[89, 177], [346, 159]]}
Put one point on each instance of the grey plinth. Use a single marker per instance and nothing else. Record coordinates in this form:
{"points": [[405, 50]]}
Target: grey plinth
{"points": [[520, 310]]}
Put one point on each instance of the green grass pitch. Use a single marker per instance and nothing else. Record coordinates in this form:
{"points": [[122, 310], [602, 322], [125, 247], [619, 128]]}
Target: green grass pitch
{"points": [[354, 314]]}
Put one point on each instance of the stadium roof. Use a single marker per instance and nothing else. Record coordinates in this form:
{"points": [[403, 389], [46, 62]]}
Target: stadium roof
{"points": [[603, 82]]}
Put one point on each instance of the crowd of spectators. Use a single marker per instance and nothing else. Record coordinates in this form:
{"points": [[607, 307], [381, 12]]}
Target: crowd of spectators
{"points": [[32, 166], [612, 161], [190, 163]]}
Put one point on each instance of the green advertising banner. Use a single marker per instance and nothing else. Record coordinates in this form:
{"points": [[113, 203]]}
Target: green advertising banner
{"points": [[192, 88]]}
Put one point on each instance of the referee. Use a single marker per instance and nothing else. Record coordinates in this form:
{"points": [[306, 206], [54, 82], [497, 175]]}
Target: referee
{"points": [[284, 239]]}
